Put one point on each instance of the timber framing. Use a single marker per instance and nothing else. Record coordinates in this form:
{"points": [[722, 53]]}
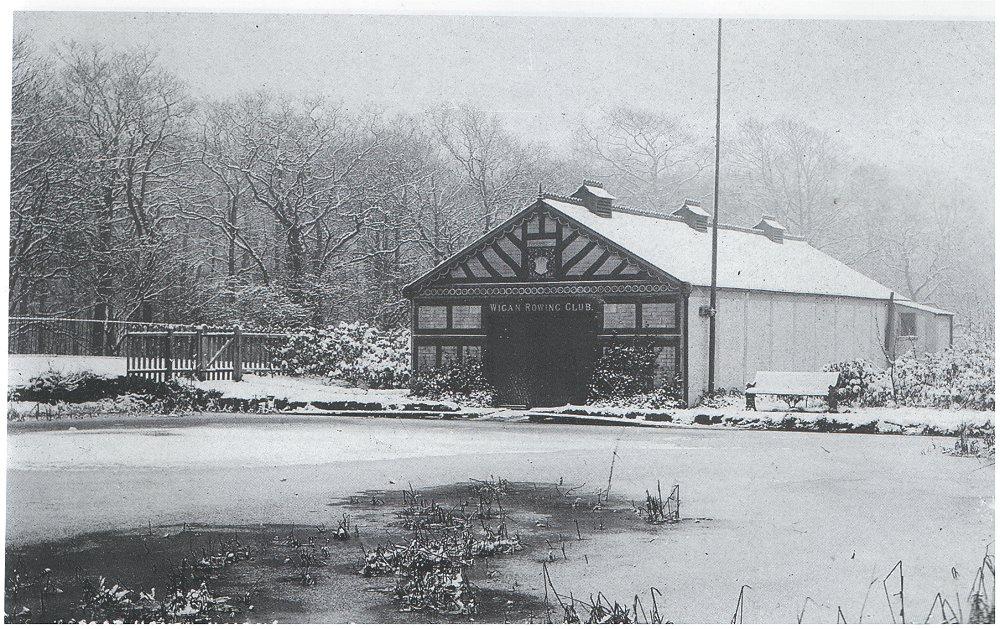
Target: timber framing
{"points": [[543, 244]]}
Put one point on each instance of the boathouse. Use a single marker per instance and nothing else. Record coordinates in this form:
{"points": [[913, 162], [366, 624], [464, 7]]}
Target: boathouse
{"points": [[538, 297]]}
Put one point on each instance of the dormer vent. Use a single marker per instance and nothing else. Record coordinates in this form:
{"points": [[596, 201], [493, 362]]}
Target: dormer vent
{"points": [[595, 198], [694, 215], [771, 228]]}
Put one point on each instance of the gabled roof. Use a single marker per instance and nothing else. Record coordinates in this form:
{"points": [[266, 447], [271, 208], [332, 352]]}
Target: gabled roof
{"points": [[770, 221], [597, 191], [693, 207], [747, 258], [636, 265], [906, 303]]}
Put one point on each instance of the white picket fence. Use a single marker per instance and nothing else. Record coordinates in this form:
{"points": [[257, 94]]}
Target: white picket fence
{"points": [[152, 350], [203, 353]]}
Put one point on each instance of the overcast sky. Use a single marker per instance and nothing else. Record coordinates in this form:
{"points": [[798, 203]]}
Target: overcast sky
{"points": [[904, 94]]}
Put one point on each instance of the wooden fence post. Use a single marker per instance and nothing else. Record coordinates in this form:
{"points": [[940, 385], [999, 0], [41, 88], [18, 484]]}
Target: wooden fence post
{"points": [[237, 354], [199, 343], [168, 355], [129, 359]]}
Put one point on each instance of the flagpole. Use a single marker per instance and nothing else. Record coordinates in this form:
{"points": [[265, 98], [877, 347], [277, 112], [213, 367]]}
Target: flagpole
{"points": [[715, 216]]}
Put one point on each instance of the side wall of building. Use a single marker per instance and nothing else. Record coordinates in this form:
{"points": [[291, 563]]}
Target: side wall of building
{"points": [[929, 332], [761, 331]]}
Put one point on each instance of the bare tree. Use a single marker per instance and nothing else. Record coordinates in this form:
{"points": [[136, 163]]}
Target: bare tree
{"points": [[922, 244], [129, 119], [794, 171], [305, 165], [129, 200], [219, 193], [46, 230], [654, 159], [500, 171]]}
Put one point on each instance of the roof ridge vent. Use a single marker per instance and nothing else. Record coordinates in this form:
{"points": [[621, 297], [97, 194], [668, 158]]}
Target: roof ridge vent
{"points": [[773, 229], [694, 215], [595, 198]]}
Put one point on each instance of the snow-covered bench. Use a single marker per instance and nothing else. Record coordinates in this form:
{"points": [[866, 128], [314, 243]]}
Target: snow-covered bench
{"points": [[794, 386]]}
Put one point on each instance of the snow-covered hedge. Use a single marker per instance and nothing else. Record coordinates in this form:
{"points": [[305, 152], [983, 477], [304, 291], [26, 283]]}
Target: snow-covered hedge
{"points": [[624, 376], [121, 394], [462, 383], [955, 378], [960, 377], [355, 354], [862, 383]]}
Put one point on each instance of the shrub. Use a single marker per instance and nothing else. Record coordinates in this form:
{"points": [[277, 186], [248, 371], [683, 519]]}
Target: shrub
{"points": [[670, 395], [463, 383], [721, 398], [80, 387], [356, 354], [862, 383], [624, 375], [960, 377], [623, 370], [975, 441]]}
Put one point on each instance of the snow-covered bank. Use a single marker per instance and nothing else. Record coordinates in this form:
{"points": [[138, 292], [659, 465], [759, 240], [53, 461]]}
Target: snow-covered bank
{"points": [[906, 420], [23, 367], [301, 389], [68, 391], [302, 394]]}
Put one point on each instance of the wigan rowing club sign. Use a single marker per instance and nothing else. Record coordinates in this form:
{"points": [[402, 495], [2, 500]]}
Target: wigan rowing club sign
{"points": [[539, 307]]}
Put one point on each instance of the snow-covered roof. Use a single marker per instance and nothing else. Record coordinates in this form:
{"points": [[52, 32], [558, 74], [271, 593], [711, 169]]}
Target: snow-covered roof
{"points": [[771, 222], [597, 191], [906, 303], [693, 207], [747, 259]]}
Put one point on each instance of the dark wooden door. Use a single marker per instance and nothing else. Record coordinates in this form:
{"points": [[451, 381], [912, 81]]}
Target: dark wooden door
{"points": [[564, 356], [508, 358], [541, 359]]}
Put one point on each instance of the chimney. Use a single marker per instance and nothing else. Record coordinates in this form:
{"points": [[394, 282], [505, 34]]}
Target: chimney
{"points": [[694, 215], [595, 198], [771, 228]]}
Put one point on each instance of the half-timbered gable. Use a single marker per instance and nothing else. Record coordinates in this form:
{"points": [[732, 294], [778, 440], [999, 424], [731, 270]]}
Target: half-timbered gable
{"points": [[540, 245]]}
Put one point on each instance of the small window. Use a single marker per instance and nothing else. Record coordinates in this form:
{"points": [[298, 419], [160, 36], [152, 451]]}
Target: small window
{"points": [[426, 356], [659, 315], [449, 354], [907, 324], [472, 352], [466, 317], [619, 316], [432, 317]]}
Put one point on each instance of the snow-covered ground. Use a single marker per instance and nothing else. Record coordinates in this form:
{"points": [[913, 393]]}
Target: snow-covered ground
{"points": [[300, 389], [889, 420], [296, 390], [22, 367]]}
